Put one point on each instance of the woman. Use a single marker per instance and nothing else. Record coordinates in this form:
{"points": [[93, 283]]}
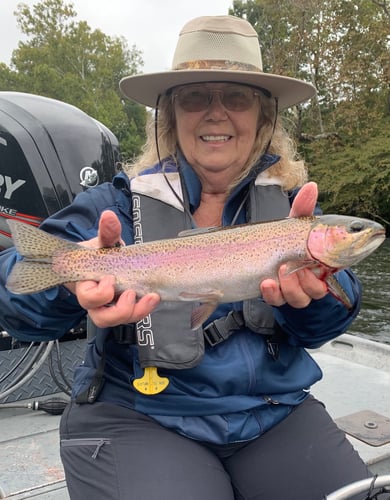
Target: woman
{"points": [[228, 414]]}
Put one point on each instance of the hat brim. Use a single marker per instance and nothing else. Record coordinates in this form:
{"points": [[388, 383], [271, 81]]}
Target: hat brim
{"points": [[145, 88]]}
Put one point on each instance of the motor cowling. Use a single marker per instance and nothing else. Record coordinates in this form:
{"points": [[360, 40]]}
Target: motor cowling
{"points": [[49, 152]]}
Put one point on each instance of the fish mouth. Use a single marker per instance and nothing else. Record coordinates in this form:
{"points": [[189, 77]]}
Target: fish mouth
{"points": [[364, 247], [359, 249], [341, 242]]}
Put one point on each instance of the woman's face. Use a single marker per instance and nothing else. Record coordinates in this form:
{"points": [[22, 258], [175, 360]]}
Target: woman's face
{"points": [[216, 128]]}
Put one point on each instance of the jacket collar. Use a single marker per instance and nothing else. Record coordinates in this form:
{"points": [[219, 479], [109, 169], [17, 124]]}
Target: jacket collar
{"points": [[193, 186]]}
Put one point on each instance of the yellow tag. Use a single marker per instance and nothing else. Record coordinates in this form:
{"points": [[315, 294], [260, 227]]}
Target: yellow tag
{"points": [[150, 382]]}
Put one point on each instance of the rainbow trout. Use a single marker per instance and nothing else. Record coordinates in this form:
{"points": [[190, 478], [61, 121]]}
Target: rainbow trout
{"points": [[207, 266]]}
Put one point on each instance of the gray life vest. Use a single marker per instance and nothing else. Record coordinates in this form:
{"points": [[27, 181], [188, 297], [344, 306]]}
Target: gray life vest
{"points": [[158, 214]]}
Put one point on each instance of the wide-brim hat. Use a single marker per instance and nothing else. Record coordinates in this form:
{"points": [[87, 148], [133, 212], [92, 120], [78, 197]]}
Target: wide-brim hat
{"points": [[216, 49]]}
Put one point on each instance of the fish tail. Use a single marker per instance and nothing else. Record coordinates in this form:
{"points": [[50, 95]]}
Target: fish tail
{"points": [[34, 243], [34, 273], [32, 277]]}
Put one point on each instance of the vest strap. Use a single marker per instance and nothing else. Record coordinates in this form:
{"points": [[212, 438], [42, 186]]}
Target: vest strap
{"points": [[125, 334], [222, 328], [91, 393], [214, 333]]}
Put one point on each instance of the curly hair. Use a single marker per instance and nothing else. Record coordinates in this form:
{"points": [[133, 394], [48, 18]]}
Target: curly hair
{"points": [[161, 127]]}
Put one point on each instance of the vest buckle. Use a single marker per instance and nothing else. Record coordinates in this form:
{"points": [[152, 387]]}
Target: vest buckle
{"points": [[125, 334], [222, 328]]}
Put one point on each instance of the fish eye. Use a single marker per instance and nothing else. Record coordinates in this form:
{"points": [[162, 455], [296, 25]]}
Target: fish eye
{"points": [[356, 226]]}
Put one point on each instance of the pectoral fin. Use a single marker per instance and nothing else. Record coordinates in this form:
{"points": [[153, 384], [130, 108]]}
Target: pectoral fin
{"points": [[209, 301], [201, 313], [337, 291], [334, 287], [292, 266]]}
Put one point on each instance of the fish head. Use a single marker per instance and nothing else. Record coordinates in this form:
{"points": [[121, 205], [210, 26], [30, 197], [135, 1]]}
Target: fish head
{"points": [[339, 241]]}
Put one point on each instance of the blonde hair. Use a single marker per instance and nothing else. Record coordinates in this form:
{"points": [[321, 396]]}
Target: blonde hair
{"points": [[288, 169]]}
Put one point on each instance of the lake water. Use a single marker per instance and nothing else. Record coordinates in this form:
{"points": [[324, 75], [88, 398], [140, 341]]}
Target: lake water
{"points": [[373, 321]]}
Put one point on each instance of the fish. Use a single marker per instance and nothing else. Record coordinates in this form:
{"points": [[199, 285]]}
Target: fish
{"points": [[211, 266]]}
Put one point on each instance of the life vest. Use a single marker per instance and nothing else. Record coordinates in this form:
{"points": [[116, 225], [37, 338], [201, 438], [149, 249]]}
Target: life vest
{"points": [[159, 214]]}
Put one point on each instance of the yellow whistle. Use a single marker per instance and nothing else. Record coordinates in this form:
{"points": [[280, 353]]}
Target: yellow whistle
{"points": [[150, 382]]}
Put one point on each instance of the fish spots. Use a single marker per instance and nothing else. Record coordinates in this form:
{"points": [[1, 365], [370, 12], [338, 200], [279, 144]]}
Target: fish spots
{"points": [[231, 260]]}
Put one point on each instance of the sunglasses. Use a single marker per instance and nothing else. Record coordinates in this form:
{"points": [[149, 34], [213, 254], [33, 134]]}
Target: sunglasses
{"points": [[194, 98]]}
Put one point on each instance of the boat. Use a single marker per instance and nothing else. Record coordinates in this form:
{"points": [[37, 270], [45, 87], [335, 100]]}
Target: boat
{"points": [[49, 152], [35, 379], [355, 389]]}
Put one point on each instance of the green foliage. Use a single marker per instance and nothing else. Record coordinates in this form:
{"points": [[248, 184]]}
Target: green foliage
{"points": [[354, 178], [66, 60], [8, 78], [342, 47]]}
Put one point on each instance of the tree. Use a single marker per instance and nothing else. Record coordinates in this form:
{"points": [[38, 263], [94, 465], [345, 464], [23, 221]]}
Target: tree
{"points": [[342, 47], [291, 35], [64, 59]]}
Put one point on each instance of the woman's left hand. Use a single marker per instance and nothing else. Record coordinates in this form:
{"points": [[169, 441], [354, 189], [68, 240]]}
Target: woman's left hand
{"points": [[298, 288]]}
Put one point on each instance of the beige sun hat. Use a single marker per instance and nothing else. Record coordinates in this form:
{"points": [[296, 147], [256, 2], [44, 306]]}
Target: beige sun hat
{"points": [[216, 49]]}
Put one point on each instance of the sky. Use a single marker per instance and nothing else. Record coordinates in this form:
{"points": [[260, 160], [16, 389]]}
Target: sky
{"points": [[152, 25]]}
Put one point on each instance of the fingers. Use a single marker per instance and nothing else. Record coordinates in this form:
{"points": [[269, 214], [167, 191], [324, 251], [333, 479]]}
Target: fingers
{"points": [[299, 288], [125, 310], [305, 201], [109, 233], [93, 294], [271, 293], [296, 289], [109, 229], [99, 299]]}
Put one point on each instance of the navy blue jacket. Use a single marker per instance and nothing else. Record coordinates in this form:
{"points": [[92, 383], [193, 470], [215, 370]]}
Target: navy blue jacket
{"points": [[238, 390]]}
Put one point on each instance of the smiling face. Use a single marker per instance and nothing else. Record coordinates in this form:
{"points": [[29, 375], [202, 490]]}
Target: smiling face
{"points": [[218, 140]]}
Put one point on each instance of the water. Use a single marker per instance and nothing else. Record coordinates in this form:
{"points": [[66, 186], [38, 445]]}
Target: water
{"points": [[373, 321]]}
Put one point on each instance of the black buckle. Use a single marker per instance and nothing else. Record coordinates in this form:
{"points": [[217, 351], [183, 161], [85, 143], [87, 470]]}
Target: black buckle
{"points": [[212, 335], [125, 334], [219, 330]]}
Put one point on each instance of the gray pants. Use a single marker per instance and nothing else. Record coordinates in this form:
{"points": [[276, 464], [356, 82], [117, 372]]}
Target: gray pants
{"points": [[113, 453]]}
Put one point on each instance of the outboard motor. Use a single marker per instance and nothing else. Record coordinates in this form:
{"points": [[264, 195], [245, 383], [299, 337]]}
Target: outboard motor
{"points": [[49, 151]]}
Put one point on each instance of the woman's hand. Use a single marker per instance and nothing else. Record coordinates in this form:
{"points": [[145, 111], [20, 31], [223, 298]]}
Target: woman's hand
{"points": [[299, 288], [98, 298]]}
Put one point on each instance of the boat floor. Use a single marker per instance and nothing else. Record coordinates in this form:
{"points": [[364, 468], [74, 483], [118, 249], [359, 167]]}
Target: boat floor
{"points": [[356, 378]]}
